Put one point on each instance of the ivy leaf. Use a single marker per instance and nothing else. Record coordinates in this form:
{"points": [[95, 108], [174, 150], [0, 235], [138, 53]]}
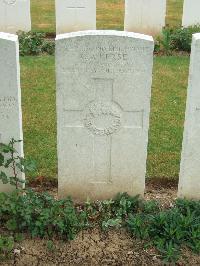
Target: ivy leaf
{"points": [[20, 167], [8, 162], [5, 148], [1, 159], [11, 224], [4, 178]]}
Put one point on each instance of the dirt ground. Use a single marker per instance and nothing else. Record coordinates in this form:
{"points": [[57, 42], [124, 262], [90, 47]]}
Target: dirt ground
{"points": [[94, 247]]}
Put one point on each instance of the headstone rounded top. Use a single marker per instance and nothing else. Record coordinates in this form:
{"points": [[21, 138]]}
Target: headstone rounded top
{"points": [[104, 33], [8, 36]]}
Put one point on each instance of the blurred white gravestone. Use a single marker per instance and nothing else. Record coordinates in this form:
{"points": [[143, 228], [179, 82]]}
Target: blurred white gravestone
{"points": [[145, 16], [75, 15], [189, 182], [10, 95], [191, 13], [103, 104], [15, 16]]}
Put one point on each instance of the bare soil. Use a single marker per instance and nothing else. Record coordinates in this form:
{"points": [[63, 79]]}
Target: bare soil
{"points": [[94, 247]]}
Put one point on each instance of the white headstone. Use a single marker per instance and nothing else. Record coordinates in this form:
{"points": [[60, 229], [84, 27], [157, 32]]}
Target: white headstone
{"points": [[10, 94], [145, 16], [15, 15], [103, 104], [191, 13], [75, 15], [189, 183]]}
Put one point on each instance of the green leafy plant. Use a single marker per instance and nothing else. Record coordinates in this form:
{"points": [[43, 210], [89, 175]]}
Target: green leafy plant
{"points": [[137, 224], [50, 246], [34, 43], [169, 229], [150, 207], [165, 41], [12, 165], [176, 39], [111, 223], [113, 212], [6, 247], [39, 214], [169, 251], [181, 38]]}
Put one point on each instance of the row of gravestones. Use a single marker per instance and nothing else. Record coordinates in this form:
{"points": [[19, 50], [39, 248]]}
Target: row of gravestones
{"points": [[144, 16], [103, 105]]}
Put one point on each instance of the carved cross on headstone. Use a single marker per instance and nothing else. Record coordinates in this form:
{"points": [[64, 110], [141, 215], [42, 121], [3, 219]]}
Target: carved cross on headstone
{"points": [[102, 118]]}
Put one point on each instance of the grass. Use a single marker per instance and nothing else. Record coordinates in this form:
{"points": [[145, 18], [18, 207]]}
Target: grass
{"points": [[170, 80], [167, 114], [174, 12], [43, 15], [39, 116], [110, 14]]}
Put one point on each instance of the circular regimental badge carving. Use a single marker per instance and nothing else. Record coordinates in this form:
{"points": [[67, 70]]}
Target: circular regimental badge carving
{"points": [[9, 2], [102, 118]]}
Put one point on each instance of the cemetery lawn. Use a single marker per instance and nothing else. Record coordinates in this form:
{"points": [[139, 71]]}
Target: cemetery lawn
{"points": [[39, 115], [43, 15], [167, 114], [110, 14], [174, 13]]}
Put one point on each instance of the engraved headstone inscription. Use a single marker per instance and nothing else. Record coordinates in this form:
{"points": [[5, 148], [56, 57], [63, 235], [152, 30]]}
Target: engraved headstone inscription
{"points": [[75, 15], [191, 14], [10, 95], [189, 180], [15, 16], [145, 16], [103, 104]]}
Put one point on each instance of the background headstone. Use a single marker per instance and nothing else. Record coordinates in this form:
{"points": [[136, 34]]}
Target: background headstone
{"points": [[75, 15], [10, 94], [189, 183], [145, 16], [103, 104], [191, 13], [15, 16]]}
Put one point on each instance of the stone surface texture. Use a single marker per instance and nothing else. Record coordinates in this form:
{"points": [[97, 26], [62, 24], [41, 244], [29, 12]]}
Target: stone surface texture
{"points": [[145, 16], [103, 104], [191, 13], [75, 15], [15, 16], [189, 182], [10, 94]]}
